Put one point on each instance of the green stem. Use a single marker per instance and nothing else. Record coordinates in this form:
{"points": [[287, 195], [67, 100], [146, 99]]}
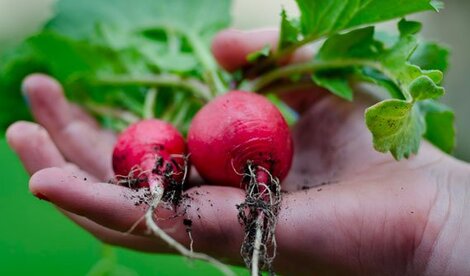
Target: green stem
{"points": [[208, 62], [149, 104], [174, 43], [280, 55], [309, 67], [285, 88], [189, 84], [204, 55], [171, 110], [178, 119], [119, 114], [130, 103]]}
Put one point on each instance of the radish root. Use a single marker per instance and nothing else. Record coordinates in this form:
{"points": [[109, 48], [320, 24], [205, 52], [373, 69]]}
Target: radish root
{"points": [[257, 246], [258, 213], [169, 197], [157, 194]]}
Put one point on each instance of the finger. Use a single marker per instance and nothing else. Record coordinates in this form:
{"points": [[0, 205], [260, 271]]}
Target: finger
{"points": [[34, 147], [80, 142], [79, 114], [117, 238], [36, 150], [231, 47], [211, 209]]}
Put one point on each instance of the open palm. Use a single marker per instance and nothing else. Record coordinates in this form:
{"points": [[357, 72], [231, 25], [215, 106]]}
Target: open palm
{"points": [[349, 210]]}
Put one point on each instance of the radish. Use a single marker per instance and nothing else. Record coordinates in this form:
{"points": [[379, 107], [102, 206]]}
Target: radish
{"points": [[240, 139], [152, 154]]}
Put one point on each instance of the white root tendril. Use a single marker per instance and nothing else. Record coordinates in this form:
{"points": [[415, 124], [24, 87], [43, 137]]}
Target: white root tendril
{"points": [[191, 241], [257, 247], [157, 194]]}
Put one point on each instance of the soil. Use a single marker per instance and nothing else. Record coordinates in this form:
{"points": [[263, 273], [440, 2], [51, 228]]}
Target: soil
{"points": [[262, 203]]}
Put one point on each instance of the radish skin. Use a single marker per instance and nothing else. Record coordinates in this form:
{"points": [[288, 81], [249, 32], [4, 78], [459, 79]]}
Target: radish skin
{"points": [[145, 152]]}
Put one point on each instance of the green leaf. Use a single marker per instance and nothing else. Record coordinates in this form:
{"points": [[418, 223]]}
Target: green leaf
{"points": [[440, 121], [356, 44], [88, 41], [424, 88], [180, 30], [78, 19], [289, 31], [373, 76], [67, 58], [431, 56], [409, 27], [361, 48], [336, 84], [437, 5], [396, 58], [319, 17], [15, 64], [256, 56], [397, 126]]}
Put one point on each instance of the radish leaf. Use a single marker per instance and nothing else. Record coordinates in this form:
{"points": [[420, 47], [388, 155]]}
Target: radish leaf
{"points": [[289, 31], [397, 127], [319, 18], [440, 125], [337, 84], [79, 19], [107, 54], [431, 56]]}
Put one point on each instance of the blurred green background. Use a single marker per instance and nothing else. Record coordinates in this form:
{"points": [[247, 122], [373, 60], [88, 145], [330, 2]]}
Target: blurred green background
{"points": [[35, 239]]}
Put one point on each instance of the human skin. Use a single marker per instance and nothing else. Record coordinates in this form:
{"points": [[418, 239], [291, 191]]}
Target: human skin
{"points": [[350, 210]]}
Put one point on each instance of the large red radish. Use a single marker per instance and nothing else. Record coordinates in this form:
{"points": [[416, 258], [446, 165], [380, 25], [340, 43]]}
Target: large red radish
{"points": [[241, 139]]}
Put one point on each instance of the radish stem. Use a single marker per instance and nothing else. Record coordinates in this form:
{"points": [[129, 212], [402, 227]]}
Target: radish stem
{"points": [[192, 85], [208, 62], [119, 114], [149, 104]]}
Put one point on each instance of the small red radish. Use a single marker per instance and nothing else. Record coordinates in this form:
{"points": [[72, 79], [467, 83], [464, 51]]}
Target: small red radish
{"points": [[241, 139], [150, 151], [152, 154]]}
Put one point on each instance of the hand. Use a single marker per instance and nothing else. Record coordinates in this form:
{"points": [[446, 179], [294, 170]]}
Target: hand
{"points": [[350, 210]]}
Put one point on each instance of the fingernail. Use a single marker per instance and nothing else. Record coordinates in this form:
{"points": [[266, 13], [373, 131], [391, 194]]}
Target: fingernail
{"points": [[24, 92], [41, 197]]}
